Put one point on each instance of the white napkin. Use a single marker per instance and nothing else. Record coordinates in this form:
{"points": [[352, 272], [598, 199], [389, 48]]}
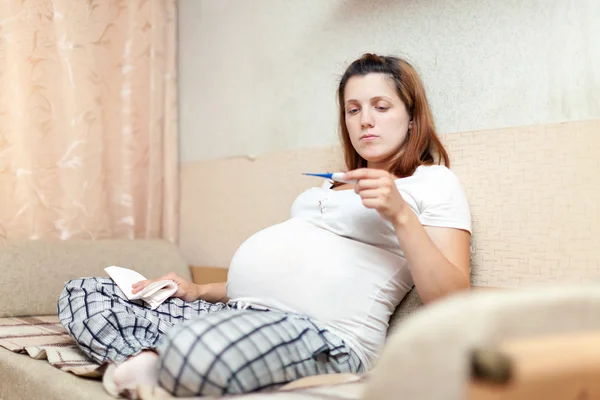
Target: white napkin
{"points": [[154, 294]]}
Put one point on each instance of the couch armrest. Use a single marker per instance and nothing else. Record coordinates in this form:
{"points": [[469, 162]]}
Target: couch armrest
{"points": [[561, 366]]}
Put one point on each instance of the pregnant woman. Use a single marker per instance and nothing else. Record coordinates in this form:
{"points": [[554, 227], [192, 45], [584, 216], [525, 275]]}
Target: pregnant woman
{"points": [[314, 294]]}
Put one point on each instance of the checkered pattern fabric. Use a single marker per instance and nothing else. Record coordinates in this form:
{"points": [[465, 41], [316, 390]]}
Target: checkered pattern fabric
{"points": [[204, 349], [107, 326], [239, 351]]}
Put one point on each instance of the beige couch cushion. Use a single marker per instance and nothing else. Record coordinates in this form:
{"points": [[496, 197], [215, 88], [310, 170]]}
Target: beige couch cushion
{"points": [[22, 378], [409, 304], [34, 272]]}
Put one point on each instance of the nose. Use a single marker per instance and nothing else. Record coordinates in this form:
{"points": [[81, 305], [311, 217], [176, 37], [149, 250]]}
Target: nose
{"points": [[366, 118]]}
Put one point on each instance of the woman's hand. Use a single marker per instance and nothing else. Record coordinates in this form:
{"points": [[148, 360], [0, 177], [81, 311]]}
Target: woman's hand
{"points": [[378, 190], [186, 290]]}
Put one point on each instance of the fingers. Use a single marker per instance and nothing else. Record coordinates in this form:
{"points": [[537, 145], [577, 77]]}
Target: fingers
{"points": [[172, 276], [373, 198], [376, 193], [370, 194], [138, 286], [366, 173], [366, 184], [384, 185]]}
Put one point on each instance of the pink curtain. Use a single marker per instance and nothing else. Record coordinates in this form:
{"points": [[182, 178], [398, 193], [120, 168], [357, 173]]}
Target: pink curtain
{"points": [[88, 119]]}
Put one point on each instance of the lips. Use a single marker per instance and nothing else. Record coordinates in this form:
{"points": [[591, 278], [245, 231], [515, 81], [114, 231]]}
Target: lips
{"points": [[368, 136]]}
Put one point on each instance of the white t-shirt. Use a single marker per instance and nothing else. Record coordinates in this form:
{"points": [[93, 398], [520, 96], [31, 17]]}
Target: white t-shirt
{"points": [[339, 262]]}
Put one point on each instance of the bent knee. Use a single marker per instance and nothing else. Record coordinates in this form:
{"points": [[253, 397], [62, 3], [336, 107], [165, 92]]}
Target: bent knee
{"points": [[189, 366], [79, 285], [69, 290], [75, 294], [73, 288]]}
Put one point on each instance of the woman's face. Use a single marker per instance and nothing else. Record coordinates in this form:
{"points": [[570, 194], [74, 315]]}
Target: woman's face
{"points": [[376, 118]]}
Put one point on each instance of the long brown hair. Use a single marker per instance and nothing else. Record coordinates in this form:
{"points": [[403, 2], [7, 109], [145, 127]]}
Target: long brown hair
{"points": [[421, 145]]}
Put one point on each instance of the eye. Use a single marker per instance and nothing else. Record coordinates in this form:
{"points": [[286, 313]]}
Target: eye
{"points": [[382, 108], [352, 110]]}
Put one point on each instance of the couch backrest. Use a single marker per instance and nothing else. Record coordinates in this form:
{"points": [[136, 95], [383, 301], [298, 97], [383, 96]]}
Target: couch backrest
{"points": [[34, 272], [534, 194], [535, 201]]}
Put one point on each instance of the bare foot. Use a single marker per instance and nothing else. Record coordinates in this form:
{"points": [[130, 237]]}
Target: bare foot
{"points": [[139, 370]]}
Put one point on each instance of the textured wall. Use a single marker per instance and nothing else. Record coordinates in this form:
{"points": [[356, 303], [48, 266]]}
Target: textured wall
{"points": [[259, 76], [534, 194]]}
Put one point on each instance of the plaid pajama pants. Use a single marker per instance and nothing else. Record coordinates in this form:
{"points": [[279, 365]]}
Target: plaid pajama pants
{"points": [[204, 349]]}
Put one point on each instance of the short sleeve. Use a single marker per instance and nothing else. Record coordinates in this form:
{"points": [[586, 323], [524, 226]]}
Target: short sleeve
{"points": [[445, 204]]}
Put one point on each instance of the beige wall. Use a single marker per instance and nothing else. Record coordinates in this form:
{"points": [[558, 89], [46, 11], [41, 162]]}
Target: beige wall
{"points": [[259, 75]]}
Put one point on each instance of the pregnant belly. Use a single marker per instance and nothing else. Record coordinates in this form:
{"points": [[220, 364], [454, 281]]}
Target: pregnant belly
{"points": [[284, 260], [294, 265]]}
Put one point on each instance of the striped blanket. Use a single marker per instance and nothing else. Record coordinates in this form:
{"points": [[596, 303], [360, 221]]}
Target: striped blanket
{"points": [[44, 338]]}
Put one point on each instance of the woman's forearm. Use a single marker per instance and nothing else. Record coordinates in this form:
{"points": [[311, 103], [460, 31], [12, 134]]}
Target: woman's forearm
{"points": [[213, 292], [433, 275]]}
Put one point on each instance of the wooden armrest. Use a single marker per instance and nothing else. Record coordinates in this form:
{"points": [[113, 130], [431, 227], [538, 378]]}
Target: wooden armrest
{"points": [[563, 366], [203, 275]]}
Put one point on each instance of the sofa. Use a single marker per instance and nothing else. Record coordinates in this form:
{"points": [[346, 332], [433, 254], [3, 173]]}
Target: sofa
{"points": [[34, 273], [534, 195]]}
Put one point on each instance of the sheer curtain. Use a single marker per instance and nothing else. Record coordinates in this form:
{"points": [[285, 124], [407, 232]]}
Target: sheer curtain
{"points": [[88, 119]]}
